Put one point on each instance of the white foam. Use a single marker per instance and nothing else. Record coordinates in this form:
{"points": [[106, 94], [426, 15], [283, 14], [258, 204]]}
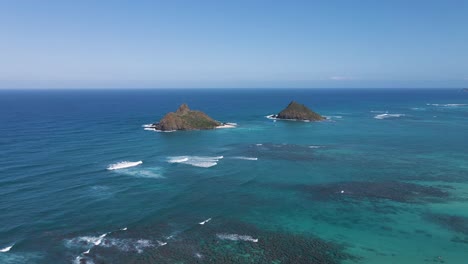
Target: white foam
{"points": [[258, 144], [385, 116], [123, 229], [127, 244], [6, 249], [86, 241], [204, 222], [154, 173], [228, 125], [236, 237], [151, 127], [197, 161], [178, 159], [245, 158], [164, 131], [160, 243], [314, 147], [334, 117], [447, 105], [124, 164]]}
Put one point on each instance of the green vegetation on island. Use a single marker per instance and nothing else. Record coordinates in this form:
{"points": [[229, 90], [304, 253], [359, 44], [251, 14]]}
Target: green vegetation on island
{"points": [[186, 119], [298, 111]]}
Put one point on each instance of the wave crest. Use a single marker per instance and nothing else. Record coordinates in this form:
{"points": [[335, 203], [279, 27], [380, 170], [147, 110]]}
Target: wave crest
{"points": [[236, 237], [385, 116], [6, 249], [124, 164], [197, 161]]}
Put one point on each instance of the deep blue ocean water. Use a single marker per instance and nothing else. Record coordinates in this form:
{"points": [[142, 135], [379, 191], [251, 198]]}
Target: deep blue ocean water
{"points": [[383, 180]]}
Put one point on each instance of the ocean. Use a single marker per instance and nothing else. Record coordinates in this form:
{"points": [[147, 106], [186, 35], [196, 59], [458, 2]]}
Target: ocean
{"points": [[383, 180]]}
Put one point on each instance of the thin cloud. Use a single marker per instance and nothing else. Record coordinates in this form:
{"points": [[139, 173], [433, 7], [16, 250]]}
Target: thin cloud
{"points": [[340, 78]]}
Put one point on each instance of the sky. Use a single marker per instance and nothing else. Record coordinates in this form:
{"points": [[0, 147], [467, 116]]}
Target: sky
{"points": [[233, 44]]}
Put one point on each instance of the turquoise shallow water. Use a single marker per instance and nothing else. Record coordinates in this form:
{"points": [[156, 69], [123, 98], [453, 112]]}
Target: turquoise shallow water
{"points": [[384, 180]]}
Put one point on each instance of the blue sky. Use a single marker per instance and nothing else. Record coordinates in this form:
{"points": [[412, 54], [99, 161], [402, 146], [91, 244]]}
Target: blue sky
{"points": [[251, 43]]}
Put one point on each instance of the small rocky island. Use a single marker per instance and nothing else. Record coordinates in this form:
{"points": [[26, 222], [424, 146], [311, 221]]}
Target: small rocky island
{"points": [[186, 119], [296, 111]]}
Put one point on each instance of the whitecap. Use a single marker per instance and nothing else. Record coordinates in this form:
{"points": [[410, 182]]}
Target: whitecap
{"points": [[6, 249], [314, 147], [245, 158], [160, 243], [127, 244], [123, 229], [236, 237], [204, 222], [197, 161], [447, 105], [178, 159], [258, 145], [124, 164], [102, 241], [385, 116], [85, 241], [334, 117]]}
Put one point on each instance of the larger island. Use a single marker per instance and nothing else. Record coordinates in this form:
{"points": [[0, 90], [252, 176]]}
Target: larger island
{"points": [[186, 119]]}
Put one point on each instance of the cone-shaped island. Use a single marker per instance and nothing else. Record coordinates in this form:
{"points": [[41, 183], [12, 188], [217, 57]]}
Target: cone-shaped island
{"points": [[186, 119], [296, 111]]}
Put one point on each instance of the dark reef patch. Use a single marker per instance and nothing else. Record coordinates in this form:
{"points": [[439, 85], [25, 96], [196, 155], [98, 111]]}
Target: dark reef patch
{"points": [[386, 190], [455, 223], [202, 244]]}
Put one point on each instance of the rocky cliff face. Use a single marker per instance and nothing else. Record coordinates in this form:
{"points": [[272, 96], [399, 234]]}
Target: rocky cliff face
{"points": [[299, 112], [186, 119]]}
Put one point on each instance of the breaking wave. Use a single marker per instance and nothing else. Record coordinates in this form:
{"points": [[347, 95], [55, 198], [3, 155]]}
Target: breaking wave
{"points": [[236, 237], [447, 105], [227, 125], [150, 127], [6, 249], [124, 164], [334, 117], [204, 222], [197, 161], [245, 158], [88, 242], [385, 116]]}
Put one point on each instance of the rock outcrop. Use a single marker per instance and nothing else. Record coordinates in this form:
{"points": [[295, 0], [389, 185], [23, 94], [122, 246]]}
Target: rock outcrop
{"points": [[186, 119], [298, 111]]}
